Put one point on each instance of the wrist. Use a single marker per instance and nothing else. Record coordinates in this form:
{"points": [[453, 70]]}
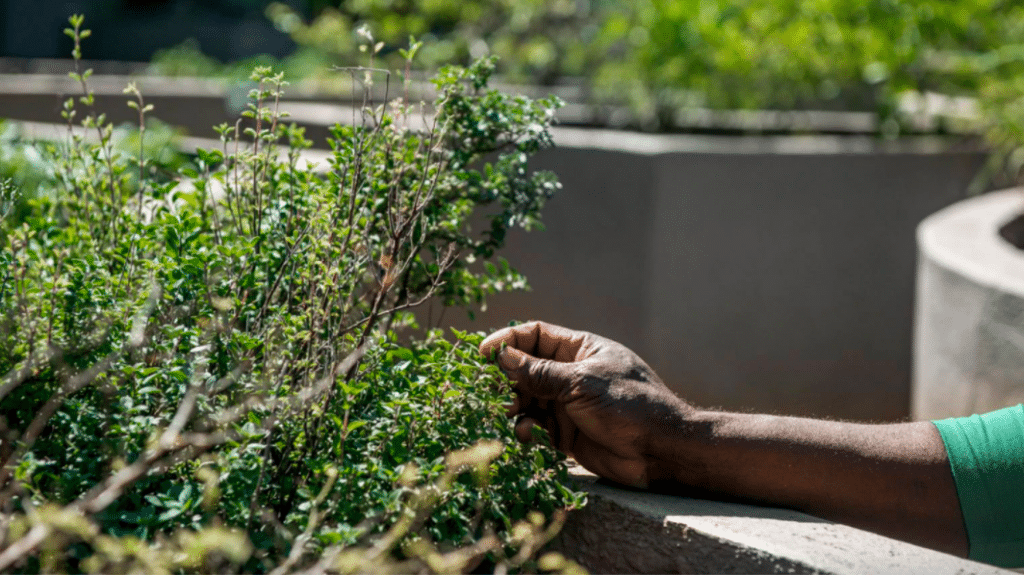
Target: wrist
{"points": [[677, 449]]}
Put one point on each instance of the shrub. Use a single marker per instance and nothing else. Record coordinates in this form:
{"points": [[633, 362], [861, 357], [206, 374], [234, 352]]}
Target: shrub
{"points": [[203, 372]]}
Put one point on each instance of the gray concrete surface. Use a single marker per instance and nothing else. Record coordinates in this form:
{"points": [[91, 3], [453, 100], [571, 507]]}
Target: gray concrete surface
{"points": [[625, 531], [969, 327]]}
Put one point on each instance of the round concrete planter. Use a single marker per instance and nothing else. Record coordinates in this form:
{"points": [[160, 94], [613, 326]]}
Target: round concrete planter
{"points": [[969, 325]]}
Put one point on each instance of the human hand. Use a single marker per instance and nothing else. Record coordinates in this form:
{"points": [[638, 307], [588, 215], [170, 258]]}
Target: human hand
{"points": [[604, 406], [599, 402]]}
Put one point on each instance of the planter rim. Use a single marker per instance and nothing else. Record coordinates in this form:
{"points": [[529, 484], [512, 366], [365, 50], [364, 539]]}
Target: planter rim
{"points": [[791, 539], [964, 238]]}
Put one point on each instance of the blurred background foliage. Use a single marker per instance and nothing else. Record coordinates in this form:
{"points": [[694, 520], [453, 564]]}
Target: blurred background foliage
{"points": [[657, 56], [662, 55]]}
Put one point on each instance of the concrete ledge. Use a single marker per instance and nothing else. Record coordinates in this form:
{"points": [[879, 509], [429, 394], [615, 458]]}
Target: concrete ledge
{"points": [[624, 531]]}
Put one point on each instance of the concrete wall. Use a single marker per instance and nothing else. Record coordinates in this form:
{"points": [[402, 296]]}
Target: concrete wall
{"points": [[769, 274]]}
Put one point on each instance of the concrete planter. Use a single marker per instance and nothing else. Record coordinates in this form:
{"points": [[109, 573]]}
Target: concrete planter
{"points": [[969, 326]]}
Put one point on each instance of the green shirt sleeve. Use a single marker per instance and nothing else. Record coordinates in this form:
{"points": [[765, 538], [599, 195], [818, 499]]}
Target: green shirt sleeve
{"points": [[986, 454]]}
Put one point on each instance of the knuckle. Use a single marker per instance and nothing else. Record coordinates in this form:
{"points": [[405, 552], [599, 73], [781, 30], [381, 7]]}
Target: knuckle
{"points": [[539, 371]]}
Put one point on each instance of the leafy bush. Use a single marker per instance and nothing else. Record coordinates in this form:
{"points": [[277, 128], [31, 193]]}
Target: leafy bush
{"points": [[204, 372], [537, 40], [785, 54]]}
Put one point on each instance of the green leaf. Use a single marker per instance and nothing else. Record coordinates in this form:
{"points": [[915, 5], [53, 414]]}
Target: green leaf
{"points": [[400, 353]]}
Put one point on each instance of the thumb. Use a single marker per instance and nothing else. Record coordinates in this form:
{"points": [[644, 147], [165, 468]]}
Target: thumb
{"points": [[541, 378]]}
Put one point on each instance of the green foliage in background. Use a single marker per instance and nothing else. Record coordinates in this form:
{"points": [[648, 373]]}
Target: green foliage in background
{"points": [[536, 40], [662, 55], [204, 373], [827, 53]]}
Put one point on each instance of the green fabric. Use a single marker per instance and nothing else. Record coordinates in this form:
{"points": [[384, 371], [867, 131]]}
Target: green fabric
{"points": [[986, 454]]}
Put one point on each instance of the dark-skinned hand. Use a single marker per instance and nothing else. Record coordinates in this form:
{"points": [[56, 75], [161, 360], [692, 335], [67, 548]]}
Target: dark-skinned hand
{"points": [[604, 406], [599, 402]]}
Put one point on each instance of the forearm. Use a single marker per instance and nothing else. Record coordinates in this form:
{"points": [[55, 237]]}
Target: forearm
{"points": [[891, 479]]}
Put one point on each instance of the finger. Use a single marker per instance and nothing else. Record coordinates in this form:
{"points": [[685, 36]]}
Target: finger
{"points": [[544, 340], [539, 378], [567, 431], [550, 424], [493, 343], [557, 342], [524, 429]]}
